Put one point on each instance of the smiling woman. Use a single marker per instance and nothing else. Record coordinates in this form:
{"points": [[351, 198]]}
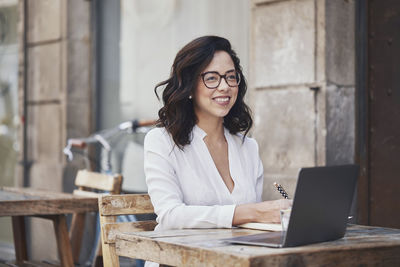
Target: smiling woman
{"points": [[202, 171], [191, 94]]}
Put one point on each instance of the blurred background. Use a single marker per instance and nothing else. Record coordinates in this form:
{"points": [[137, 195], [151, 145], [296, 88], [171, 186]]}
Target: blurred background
{"points": [[323, 75]]}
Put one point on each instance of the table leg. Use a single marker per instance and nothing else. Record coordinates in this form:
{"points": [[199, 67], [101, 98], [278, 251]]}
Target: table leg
{"points": [[63, 242], [19, 234], [76, 234]]}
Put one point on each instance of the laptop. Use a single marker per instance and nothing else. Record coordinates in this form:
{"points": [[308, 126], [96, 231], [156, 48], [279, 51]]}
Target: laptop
{"points": [[320, 210]]}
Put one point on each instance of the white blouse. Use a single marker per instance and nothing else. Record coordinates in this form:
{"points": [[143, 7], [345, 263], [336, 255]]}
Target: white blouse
{"points": [[185, 186]]}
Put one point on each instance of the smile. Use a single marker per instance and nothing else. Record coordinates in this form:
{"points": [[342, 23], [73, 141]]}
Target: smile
{"points": [[222, 100]]}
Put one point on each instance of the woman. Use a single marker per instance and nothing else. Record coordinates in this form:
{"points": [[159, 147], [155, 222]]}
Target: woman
{"points": [[201, 172]]}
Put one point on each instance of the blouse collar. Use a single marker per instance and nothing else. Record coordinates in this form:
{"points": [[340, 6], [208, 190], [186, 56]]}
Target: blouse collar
{"points": [[200, 133]]}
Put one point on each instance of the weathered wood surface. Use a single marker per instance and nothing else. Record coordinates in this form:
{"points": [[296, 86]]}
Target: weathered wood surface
{"points": [[89, 183], [95, 180], [110, 257], [361, 246], [17, 193], [63, 243], [112, 206], [112, 229], [30, 202], [19, 234], [20, 202], [125, 204], [76, 234]]}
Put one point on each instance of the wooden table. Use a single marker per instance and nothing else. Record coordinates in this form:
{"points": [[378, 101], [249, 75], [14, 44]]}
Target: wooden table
{"points": [[361, 246], [21, 202]]}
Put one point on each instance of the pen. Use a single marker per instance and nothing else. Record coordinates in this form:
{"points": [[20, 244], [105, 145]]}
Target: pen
{"points": [[281, 190]]}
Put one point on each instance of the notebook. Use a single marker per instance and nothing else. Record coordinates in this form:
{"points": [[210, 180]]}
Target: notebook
{"points": [[320, 210], [262, 226]]}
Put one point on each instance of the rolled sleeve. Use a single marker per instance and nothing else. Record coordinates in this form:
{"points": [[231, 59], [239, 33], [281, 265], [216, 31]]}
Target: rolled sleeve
{"points": [[226, 216]]}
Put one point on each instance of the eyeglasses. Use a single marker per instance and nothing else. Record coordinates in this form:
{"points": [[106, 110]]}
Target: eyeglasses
{"points": [[212, 79]]}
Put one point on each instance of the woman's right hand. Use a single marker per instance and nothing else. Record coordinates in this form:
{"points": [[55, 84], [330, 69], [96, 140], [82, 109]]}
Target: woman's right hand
{"points": [[269, 211], [261, 212]]}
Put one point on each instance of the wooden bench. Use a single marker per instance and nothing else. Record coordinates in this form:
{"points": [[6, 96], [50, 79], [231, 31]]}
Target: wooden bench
{"points": [[110, 207]]}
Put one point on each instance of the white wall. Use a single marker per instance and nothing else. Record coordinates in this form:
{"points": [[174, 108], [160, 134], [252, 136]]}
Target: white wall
{"points": [[153, 31]]}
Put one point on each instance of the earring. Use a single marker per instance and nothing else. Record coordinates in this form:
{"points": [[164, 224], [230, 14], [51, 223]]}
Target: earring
{"points": [[190, 97]]}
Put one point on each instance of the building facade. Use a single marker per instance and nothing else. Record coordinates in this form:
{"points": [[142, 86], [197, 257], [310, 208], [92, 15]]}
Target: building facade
{"points": [[306, 63]]}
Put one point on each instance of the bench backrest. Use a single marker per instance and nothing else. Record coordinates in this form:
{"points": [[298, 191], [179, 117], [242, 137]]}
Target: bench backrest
{"points": [[110, 207]]}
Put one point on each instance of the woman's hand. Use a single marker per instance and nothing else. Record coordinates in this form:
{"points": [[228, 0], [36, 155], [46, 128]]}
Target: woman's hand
{"points": [[262, 212], [269, 211]]}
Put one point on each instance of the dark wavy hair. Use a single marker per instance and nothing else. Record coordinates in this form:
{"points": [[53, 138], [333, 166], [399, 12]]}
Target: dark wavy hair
{"points": [[177, 115]]}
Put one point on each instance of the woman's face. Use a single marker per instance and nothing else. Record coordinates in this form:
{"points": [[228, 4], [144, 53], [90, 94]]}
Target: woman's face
{"points": [[216, 103]]}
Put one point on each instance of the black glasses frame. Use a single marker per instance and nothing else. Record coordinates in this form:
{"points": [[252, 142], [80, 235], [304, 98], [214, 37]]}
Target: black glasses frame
{"points": [[220, 78]]}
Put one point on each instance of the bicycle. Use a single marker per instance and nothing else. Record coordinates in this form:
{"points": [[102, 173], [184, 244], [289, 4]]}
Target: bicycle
{"points": [[108, 139], [103, 137]]}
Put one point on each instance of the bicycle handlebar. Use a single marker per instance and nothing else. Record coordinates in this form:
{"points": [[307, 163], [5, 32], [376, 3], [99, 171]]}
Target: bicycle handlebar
{"points": [[78, 143], [135, 124], [102, 136]]}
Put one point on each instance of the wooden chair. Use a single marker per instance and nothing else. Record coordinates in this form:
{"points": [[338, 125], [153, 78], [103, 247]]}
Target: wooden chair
{"points": [[110, 207], [90, 184]]}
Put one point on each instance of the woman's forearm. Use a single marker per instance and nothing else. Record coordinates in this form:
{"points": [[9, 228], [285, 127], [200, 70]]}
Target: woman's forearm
{"points": [[244, 213], [262, 212]]}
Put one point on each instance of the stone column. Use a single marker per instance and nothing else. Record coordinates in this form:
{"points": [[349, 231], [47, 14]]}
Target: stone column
{"points": [[55, 79], [301, 86]]}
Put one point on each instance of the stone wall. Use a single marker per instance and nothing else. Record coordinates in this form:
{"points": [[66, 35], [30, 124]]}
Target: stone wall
{"points": [[302, 86], [340, 81], [55, 80]]}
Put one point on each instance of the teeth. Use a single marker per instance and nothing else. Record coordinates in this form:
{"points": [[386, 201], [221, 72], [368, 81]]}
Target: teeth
{"points": [[222, 99]]}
